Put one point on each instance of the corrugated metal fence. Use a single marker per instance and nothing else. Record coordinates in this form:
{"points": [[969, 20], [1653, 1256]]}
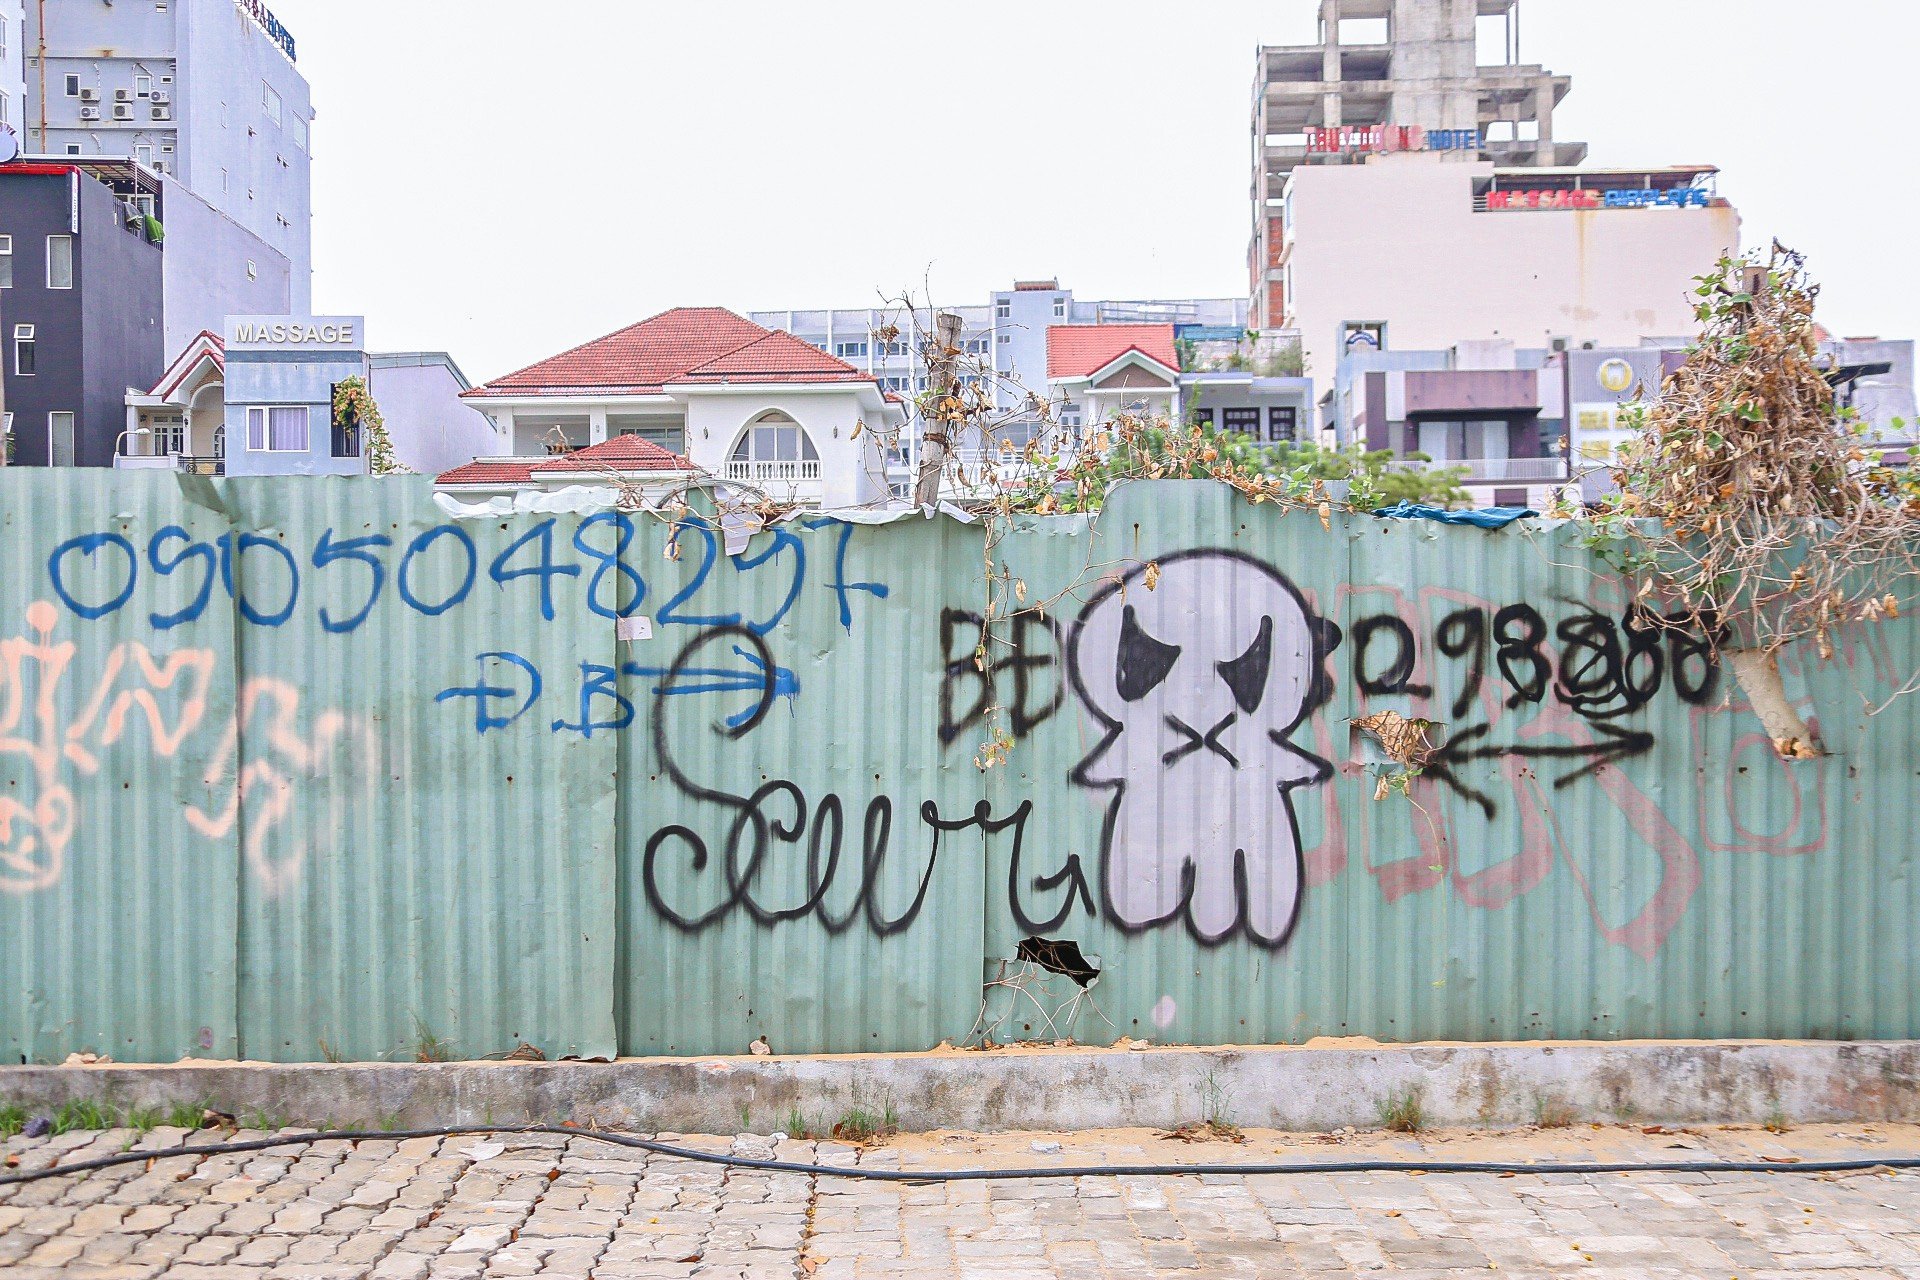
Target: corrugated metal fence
{"points": [[292, 769]]}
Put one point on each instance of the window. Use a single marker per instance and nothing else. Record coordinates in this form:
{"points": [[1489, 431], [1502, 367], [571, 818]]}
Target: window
{"points": [[850, 350], [59, 262], [1203, 416], [892, 348], [1282, 423], [169, 436], [774, 437], [1243, 420], [1003, 309], [73, 86], [6, 114], [6, 262], [3, 37], [1059, 308], [978, 346], [143, 86], [23, 362], [143, 154], [301, 139], [1005, 339], [60, 439], [899, 386], [270, 100], [279, 429], [253, 270], [73, 148]]}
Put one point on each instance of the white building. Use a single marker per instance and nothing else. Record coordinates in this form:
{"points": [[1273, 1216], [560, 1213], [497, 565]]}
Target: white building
{"points": [[1421, 251], [1393, 75], [235, 402], [205, 92], [749, 406]]}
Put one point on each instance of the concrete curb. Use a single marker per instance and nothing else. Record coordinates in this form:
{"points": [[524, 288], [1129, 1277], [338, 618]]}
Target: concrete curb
{"points": [[1302, 1089]]}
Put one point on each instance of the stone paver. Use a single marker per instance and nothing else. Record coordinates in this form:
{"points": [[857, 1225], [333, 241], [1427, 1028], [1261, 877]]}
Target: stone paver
{"points": [[549, 1205]]}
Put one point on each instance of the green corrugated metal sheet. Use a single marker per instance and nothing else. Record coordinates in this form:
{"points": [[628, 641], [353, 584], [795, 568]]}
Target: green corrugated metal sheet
{"points": [[298, 767]]}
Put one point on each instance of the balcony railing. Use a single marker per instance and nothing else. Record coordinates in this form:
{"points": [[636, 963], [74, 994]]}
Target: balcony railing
{"points": [[201, 466], [1495, 470], [773, 472]]}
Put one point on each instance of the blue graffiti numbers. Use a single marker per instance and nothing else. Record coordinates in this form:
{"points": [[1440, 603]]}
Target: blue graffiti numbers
{"points": [[233, 549], [344, 579], [87, 546], [611, 562], [327, 552], [166, 564], [543, 568], [418, 547], [840, 586]]}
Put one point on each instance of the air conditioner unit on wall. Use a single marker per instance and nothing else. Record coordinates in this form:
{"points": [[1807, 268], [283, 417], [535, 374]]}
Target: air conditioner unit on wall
{"points": [[89, 113], [123, 111], [163, 113], [162, 97], [123, 95], [89, 95]]}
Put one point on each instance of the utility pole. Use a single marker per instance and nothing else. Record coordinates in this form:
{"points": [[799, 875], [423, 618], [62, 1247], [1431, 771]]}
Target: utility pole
{"points": [[944, 401]]}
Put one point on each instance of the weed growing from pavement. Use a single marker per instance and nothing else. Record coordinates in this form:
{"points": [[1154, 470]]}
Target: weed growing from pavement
{"points": [[13, 1118], [1404, 1111], [83, 1113], [428, 1047], [1552, 1113]]}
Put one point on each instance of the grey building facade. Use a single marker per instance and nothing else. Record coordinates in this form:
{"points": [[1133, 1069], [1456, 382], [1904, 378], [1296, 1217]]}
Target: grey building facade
{"points": [[206, 92], [80, 312]]}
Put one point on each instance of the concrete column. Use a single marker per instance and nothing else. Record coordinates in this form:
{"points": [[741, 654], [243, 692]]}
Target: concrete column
{"points": [[596, 426], [1330, 51], [503, 427], [1543, 112]]}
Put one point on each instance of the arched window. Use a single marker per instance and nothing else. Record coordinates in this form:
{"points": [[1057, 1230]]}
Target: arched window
{"points": [[775, 447]]}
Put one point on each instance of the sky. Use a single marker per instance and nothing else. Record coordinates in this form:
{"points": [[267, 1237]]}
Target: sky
{"points": [[503, 181]]}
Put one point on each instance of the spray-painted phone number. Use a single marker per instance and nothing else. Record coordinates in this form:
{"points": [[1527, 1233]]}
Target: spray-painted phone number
{"points": [[95, 575]]}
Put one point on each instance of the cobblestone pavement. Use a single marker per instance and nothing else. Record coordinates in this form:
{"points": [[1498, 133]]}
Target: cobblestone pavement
{"points": [[539, 1205]]}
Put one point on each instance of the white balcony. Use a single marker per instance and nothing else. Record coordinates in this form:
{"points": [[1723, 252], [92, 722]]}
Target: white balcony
{"points": [[772, 473]]}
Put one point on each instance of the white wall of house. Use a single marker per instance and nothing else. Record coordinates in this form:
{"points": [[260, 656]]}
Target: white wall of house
{"points": [[1398, 240], [852, 472]]}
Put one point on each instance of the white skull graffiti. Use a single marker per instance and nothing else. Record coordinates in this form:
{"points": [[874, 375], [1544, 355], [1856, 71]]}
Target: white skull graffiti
{"points": [[1197, 684]]}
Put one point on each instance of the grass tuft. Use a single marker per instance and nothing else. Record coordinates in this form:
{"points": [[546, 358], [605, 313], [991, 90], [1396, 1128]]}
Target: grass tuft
{"points": [[1404, 1111], [1552, 1113]]}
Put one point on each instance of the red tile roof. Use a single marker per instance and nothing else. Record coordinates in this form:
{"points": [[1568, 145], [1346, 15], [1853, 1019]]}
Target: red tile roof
{"points": [[488, 473], [1077, 350], [686, 344], [777, 357], [621, 453]]}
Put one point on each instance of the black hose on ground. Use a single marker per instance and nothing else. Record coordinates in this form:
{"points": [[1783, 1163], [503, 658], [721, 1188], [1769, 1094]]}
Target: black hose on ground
{"points": [[1861, 1165]]}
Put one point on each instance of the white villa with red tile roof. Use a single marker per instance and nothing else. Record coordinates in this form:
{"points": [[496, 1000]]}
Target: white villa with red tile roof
{"points": [[1113, 368], [695, 392]]}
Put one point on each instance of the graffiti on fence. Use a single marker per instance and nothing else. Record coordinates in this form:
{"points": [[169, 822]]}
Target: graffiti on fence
{"points": [[60, 719], [1203, 679], [1198, 685]]}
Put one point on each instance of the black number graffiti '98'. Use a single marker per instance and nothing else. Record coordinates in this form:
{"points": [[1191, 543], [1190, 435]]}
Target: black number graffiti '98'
{"points": [[1607, 667]]}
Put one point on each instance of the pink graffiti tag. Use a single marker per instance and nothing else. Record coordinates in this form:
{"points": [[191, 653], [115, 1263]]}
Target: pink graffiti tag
{"points": [[169, 694]]}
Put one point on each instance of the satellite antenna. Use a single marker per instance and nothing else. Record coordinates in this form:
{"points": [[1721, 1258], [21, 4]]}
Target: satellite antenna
{"points": [[9, 143]]}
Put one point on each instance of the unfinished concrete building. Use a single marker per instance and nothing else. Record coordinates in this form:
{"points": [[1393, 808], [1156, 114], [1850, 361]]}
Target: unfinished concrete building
{"points": [[1394, 75]]}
